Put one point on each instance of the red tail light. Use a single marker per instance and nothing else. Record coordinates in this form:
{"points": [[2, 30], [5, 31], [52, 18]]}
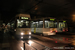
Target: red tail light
{"points": [[63, 30], [66, 38], [55, 41], [51, 31], [63, 39], [66, 30], [56, 31]]}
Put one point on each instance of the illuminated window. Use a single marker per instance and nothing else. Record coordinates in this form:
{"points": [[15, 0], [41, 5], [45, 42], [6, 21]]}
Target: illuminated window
{"points": [[50, 24], [23, 24]]}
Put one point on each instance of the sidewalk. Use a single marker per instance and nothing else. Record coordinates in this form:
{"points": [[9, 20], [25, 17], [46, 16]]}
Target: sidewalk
{"points": [[5, 45]]}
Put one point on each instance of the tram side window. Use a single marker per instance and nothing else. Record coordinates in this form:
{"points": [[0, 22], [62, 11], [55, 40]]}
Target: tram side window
{"points": [[37, 24], [46, 24], [12, 25], [55, 24], [50, 24], [33, 24], [61, 25], [40, 24]]}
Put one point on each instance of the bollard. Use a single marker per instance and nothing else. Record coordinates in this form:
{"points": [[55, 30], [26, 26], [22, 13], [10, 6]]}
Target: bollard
{"points": [[24, 45]]}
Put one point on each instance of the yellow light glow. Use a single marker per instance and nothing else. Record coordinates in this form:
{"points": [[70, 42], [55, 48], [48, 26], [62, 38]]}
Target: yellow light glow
{"points": [[29, 33], [35, 8], [73, 18]]}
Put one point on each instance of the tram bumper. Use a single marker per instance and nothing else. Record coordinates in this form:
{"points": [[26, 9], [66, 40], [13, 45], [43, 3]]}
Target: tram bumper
{"points": [[24, 37], [51, 33]]}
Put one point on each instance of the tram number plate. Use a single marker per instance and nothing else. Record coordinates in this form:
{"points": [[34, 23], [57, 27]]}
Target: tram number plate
{"points": [[53, 29], [26, 32]]}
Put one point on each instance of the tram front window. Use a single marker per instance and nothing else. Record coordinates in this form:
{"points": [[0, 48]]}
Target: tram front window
{"points": [[50, 24], [23, 24], [61, 25]]}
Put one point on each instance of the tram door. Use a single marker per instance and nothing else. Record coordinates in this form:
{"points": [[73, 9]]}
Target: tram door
{"points": [[33, 27], [61, 26]]}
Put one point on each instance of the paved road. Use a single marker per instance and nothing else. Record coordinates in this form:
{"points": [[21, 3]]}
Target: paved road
{"points": [[9, 42], [40, 42]]}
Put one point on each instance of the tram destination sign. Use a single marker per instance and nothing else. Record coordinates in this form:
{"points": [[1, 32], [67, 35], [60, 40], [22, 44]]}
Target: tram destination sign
{"points": [[24, 17], [64, 21], [52, 19]]}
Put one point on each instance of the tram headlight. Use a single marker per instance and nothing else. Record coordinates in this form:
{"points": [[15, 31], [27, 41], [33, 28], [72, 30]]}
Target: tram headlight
{"points": [[29, 36], [21, 33], [29, 33]]}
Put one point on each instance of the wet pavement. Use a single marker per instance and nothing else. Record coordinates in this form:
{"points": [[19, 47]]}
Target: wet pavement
{"points": [[4, 41], [9, 42]]}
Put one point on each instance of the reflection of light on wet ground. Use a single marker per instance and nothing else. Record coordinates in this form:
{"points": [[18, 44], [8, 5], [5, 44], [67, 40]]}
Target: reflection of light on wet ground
{"points": [[72, 39], [22, 48], [60, 38], [73, 43], [21, 37], [30, 42]]}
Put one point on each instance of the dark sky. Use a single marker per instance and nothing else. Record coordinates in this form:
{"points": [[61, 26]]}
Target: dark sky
{"points": [[9, 8]]}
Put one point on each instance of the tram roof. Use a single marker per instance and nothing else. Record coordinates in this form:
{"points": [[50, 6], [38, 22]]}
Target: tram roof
{"points": [[23, 15]]}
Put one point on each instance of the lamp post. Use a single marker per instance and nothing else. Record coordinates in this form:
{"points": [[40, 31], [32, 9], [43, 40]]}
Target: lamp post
{"points": [[24, 45]]}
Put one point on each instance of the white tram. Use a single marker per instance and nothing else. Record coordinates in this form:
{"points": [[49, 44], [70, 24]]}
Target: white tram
{"points": [[23, 29], [62, 26], [47, 26]]}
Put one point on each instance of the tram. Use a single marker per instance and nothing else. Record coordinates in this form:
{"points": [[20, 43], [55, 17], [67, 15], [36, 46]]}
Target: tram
{"points": [[22, 26], [62, 26], [47, 26]]}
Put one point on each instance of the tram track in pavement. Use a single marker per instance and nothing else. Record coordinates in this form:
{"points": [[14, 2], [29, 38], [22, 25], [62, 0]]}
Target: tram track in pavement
{"points": [[49, 42], [68, 43], [49, 39]]}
